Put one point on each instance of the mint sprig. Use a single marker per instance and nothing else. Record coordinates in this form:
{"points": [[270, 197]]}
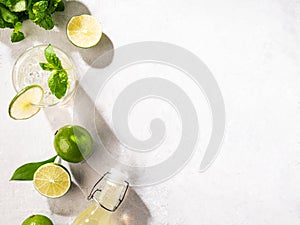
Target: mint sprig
{"points": [[58, 79]]}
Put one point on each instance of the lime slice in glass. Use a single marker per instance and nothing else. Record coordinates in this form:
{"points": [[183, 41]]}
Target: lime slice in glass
{"points": [[24, 104]]}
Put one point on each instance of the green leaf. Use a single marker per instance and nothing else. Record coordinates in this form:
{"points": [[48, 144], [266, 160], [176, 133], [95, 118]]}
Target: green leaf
{"points": [[58, 83], [40, 13], [60, 6], [27, 171], [8, 16], [4, 24], [52, 58], [10, 3], [18, 26], [45, 22], [58, 80], [17, 35], [53, 4], [47, 66], [19, 6], [39, 7]]}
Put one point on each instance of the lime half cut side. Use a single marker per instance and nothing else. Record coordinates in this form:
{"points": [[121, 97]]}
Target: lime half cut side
{"points": [[84, 31], [24, 104], [52, 180]]}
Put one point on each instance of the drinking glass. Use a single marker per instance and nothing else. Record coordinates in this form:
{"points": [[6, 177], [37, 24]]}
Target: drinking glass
{"points": [[27, 71]]}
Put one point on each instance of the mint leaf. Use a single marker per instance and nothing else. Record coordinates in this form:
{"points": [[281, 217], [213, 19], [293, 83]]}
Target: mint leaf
{"points": [[46, 22], [53, 5], [40, 13], [58, 83], [60, 6], [19, 6], [52, 58], [8, 16], [27, 171], [58, 80], [39, 8], [17, 35], [47, 66]]}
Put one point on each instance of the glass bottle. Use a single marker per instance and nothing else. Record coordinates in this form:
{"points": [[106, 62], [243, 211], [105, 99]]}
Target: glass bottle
{"points": [[107, 195]]}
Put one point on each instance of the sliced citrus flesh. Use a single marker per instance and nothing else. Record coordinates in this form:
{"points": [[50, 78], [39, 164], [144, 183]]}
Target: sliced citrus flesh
{"points": [[52, 180], [84, 31], [24, 104]]}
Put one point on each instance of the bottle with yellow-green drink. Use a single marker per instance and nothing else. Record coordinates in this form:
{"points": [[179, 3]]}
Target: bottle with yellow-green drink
{"points": [[107, 195]]}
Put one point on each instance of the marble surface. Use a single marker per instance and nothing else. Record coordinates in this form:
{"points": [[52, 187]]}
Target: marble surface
{"points": [[253, 50]]}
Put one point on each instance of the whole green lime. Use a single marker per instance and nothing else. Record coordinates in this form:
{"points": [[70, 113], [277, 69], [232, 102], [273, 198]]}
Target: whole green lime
{"points": [[37, 220], [73, 143]]}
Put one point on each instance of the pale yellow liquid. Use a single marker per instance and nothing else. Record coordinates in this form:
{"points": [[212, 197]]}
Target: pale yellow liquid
{"points": [[93, 215]]}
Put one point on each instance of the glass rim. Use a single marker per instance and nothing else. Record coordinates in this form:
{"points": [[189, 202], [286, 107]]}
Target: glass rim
{"points": [[61, 101]]}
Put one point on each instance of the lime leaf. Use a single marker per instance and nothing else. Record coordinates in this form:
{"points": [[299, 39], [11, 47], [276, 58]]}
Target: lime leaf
{"points": [[27, 171]]}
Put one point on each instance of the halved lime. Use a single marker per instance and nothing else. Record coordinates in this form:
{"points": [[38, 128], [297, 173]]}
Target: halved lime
{"points": [[52, 180], [24, 104], [84, 31]]}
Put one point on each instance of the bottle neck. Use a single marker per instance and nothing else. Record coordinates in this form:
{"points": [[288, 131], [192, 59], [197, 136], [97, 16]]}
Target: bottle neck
{"points": [[109, 192]]}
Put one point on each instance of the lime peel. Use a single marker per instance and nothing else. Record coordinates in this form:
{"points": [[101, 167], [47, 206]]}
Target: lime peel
{"points": [[52, 180], [24, 104], [84, 31]]}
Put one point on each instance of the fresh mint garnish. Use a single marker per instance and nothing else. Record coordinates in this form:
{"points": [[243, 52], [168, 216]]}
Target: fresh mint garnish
{"points": [[58, 79], [17, 35], [58, 83], [38, 11]]}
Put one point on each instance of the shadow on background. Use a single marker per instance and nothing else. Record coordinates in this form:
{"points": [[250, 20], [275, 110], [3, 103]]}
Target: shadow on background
{"points": [[133, 210], [71, 204], [35, 35], [104, 50]]}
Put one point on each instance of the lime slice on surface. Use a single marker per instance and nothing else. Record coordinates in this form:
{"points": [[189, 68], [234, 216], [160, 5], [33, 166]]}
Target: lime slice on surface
{"points": [[84, 31], [52, 180], [23, 106]]}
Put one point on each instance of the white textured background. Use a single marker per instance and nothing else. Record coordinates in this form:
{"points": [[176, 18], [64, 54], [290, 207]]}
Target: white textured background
{"points": [[253, 49]]}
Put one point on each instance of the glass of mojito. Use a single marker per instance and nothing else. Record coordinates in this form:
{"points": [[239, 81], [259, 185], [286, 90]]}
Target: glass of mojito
{"points": [[27, 71]]}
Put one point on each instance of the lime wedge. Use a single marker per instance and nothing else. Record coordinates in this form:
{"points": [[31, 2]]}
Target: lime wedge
{"points": [[84, 31], [23, 106], [52, 180]]}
